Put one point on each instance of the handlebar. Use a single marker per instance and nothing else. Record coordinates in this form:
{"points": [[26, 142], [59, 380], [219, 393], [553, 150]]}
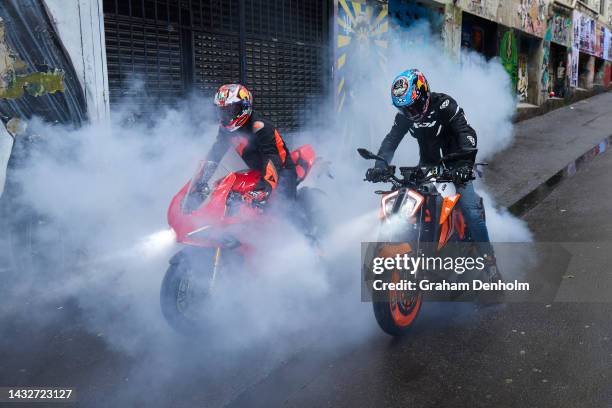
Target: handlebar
{"points": [[417, 176]]}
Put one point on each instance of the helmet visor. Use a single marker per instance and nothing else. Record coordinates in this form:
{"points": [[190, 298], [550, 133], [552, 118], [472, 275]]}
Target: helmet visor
{"points": [[228, 113], [414, 111]]}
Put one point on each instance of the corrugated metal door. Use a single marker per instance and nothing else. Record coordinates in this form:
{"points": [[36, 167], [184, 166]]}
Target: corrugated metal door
{"points": [[286, 57], [278, 48], [216, 43]]}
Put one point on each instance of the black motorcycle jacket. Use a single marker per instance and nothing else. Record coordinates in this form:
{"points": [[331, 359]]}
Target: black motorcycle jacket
{"points": [[260, 145], [443, 131]]}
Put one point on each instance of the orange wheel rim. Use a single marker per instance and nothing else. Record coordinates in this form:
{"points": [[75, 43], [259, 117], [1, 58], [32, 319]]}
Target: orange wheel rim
{"points": [[404, 309]]}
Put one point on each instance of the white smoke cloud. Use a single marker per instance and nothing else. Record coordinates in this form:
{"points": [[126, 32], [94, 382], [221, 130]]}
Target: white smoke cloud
{"points": [[104, 190], [482, 89]]}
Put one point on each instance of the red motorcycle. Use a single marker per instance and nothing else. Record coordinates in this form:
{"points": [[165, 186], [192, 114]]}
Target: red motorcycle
{"points": [[211, 232]]}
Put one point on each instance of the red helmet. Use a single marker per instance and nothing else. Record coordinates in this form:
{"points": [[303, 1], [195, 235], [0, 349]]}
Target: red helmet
{"points": [[234, 106]]}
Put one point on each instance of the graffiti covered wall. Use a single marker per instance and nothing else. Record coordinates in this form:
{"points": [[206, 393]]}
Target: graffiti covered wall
{"points": [[607, 44], [523, 78], [561, 29], [544, 75], [508, 52], [532, 16], [360, 32], [574, 56], [36, 75], [600, 34], [586, 33]]}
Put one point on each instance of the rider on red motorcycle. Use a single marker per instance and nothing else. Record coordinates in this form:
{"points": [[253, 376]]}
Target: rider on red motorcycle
{"points": [[256, 140]]}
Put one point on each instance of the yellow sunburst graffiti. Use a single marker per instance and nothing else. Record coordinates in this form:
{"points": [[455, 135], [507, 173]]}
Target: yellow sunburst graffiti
{"points": [[360, 29]]}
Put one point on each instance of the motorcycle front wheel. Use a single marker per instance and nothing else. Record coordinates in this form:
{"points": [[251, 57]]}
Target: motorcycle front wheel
{"points": [[396, 310], [186, 288]]}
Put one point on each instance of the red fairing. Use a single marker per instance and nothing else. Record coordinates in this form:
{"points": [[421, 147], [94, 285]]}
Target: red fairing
{"points": [[304, 158], [246, 181], [207, 225]]}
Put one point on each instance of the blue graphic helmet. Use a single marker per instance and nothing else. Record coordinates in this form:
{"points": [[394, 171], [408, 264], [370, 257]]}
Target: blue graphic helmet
{"points": [[410, 94]]}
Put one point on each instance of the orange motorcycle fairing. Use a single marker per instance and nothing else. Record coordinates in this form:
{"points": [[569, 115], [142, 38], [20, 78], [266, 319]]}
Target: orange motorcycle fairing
{"points": [[447, 222], [460, 224], [447, 207]]}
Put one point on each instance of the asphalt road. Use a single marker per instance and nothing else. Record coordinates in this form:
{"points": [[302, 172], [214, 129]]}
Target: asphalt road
{"points": [[556, 354]]}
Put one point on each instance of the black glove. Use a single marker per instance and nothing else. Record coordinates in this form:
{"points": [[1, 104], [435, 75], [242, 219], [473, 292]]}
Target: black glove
{"points": [[464, 174], [376, 174], [256, 198]]}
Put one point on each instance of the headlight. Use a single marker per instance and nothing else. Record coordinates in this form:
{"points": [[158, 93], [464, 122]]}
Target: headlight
{"points": [[408, 206], [411, 202], [387, 204]]}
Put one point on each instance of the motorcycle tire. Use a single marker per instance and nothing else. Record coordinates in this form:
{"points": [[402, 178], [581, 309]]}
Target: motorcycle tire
{"points": [[396, 319], [396, 311], [312, 201], [176, 293]]}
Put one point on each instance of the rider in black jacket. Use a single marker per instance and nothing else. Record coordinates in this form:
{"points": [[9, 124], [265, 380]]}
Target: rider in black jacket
{"points": [[443, 130], [440, 127]]}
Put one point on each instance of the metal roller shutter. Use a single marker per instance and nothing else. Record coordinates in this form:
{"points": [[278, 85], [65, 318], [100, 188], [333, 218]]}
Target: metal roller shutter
{"points": [[144, 52], [286, 62], [278, 48]]}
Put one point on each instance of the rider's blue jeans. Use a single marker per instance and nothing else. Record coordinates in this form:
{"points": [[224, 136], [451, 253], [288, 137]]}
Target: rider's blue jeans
{"points": [[473, 213]]}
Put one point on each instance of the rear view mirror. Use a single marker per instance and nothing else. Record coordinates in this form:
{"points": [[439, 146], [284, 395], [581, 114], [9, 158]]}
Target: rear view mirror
{"points": [[368, 155]]}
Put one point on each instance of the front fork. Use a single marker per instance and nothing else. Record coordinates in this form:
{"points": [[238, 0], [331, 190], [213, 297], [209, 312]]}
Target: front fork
{"points": [[216, 265]]}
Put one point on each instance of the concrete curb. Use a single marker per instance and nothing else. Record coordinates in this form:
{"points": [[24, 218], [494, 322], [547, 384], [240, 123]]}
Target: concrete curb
{"points": [[535, 196], [553, 104]]}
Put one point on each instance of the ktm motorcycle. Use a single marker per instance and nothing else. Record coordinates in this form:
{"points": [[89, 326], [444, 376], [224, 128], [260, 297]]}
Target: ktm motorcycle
{"points": [[420, 217], [210, 232]]}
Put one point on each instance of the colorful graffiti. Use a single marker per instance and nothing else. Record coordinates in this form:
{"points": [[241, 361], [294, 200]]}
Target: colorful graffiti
{"points": [[561, 27], [360, 31], [573, 58], [509, 56], [545, 79], [14, 78], [585, 33], [523, 79], [607, 53], [600, 35], [532, 15]]}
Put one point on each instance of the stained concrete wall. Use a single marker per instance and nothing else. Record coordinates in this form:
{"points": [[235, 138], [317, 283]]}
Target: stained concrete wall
{"points": [[526, 15], [80, 24]]}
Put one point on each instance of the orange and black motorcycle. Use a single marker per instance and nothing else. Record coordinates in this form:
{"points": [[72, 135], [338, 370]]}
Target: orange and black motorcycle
{"points": [[419, 217]]}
